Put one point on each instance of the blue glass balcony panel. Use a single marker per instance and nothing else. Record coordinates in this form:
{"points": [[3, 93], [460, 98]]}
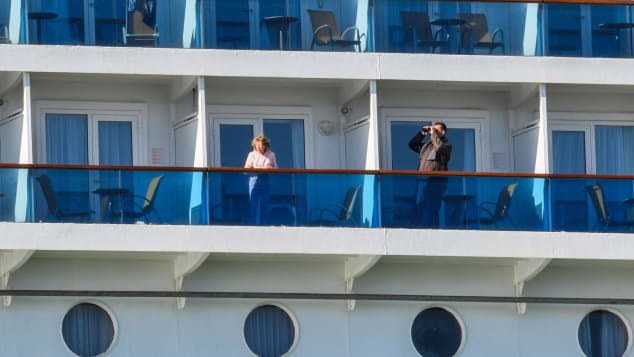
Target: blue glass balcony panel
{"points": [[456, 27], [590, 204], [583, 30], [118, 196], [292, 199], [463, 202], [13, 184], [403, 26], [149, 23], [317, 198]]}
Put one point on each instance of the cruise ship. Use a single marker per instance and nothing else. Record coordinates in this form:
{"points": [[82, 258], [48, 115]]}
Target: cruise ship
{"points": [[125, 216]]}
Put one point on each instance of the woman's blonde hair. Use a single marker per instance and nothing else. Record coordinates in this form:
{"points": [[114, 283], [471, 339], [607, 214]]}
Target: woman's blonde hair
{"points": [[263, 139]]}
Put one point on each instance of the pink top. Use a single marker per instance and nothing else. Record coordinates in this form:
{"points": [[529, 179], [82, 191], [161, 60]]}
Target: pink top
{"points": [[256, 160]]}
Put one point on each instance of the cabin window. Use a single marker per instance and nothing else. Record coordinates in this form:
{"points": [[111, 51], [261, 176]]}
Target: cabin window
{"points": [[88, 330], [614, 149], [579, 147], [464, 131], [603, 333], [270, 331], [437, 332]]}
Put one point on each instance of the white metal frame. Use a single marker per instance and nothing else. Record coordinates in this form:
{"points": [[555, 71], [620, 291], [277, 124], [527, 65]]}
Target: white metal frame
{"points": [[217, 114], [94, 110], [588, 138], [455, 118], [586, 122]]}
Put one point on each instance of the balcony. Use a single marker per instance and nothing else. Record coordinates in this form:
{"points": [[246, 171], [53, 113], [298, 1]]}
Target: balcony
{"points": [[534, 28], [317, 198]]}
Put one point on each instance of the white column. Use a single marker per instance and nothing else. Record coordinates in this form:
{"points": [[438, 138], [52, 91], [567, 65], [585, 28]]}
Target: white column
{"points": [[200, 154], [542, 165], [26, 151], [372, 156], [26, 138]]}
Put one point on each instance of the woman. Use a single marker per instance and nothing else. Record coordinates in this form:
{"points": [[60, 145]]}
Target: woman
{"points": [[260, 158]]}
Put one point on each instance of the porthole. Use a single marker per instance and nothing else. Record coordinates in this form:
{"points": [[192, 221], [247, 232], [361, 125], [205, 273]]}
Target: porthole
{"points": [[603, 333], [88, 330], [270, 331], [437, 332]]}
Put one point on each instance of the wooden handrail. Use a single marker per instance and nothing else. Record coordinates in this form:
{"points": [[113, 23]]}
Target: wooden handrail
{"points": [[316, 171]]}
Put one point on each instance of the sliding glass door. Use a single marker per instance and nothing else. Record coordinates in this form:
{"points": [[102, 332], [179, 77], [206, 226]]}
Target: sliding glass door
{"points": [[232, 144], [89, 139]]}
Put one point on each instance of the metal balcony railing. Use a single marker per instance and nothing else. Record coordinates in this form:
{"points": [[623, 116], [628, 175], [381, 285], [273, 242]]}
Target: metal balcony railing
{"points": [[307, 198]]}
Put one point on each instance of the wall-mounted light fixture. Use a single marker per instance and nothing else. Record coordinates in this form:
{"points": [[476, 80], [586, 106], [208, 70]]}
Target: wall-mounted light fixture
{"points": [[320, 3], [326, 127], [345, 110]]}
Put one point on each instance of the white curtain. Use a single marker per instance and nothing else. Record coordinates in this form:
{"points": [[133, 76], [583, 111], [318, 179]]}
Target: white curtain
{"points": [[569, 152], [614, 149], [66, 139], [115, 143]]}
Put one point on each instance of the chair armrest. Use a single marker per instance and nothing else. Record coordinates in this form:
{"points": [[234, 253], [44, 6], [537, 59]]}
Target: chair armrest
{"points": [[483, 207], [326, 212], [135, 201], [486, 203], [322, 28], [355, 31], [495, 33]]}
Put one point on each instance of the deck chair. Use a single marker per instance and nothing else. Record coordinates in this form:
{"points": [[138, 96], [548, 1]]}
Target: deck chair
{"points": [[142, 206], [500, 213], [326, 32], [418, 33], [141, 28], [604, 219], [474, 34], [330, 217], [55, 211]]}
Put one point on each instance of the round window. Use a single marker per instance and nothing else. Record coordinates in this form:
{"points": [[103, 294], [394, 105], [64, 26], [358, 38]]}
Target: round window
{"points": [[603, 333], [436, 332], [88, 330], [269, 331]]}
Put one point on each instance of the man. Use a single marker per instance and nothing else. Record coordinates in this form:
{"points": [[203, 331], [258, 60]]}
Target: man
{"points": [[434, 155]]}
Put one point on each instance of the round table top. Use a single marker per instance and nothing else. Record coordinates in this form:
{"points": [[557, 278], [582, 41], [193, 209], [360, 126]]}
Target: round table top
{"points": [[280, 19], [616, 25], [110, 191], [448, 22], [42, 15], [458, 198]]}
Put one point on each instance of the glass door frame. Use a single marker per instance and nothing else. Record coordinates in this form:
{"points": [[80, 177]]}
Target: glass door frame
{"points": [[232, 119], [93, 110], [586, 121], [458, 119], [588, 139], [258, 113]]}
